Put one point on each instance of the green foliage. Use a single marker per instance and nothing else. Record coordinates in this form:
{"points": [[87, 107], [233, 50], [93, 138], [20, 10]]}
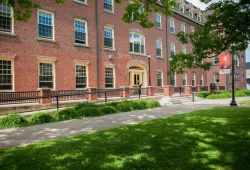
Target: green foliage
{"points": [[219, 96], [125, 106], [66, 114], [153, 104], [40, 118], [12, 120], [83, 105], [224, 94], [204, 94], [108, 109], [90, 112]]}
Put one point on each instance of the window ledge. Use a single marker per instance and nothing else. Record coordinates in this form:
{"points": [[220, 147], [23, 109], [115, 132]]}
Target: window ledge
{"points": [[45, 39], [86, 88], [81, 45], [158, 57], [8, 34], [139, 54], [159, 28], [172, 33], [82, 3], [108, 49], [6, 90], [110, 12]]}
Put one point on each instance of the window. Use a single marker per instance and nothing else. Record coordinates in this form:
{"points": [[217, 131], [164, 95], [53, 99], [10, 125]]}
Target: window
{"points": [[159, 78], [172, 26], [236, 60], [216, 77], [159, 48], [5, 75], [108, 38], [184, 78], [158, 21], [108, 5], [81, 76], [181, 8], [236, 76], [109, 77], [201, 79], [83, 1], [183, 27], [80, 32], [193, 79], [45, 24], [216, 60], [136, 43], [172, 50], [45, 75], [191, 13], [183, 50], [199, 18], [172, 79], [5, 18]]}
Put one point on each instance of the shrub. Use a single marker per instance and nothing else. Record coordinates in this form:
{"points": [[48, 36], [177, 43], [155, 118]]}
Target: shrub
{"points": [[247, 92], [90, 111], [12, 120], [108, 110], [82, 105], [153, 104], [125, 106], [204, 94], [240, 94], [40, 118], [137, 105], [219, 96], [66, 114]]}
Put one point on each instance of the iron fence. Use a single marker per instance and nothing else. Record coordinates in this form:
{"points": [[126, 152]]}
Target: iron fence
{"points": [[194, 89], [204, 88], [19, 97], [221, 88], [64, 95]]}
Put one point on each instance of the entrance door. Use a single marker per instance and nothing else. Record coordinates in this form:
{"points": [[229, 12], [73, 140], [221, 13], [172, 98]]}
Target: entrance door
{"points": [[137, 79]]}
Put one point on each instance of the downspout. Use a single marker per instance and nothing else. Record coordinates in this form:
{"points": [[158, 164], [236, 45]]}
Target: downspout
{"points": [[97, 44], [167, 64]]}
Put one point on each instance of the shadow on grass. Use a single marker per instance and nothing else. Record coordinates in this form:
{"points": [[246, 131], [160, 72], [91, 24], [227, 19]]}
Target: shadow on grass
{"points": [[217, 138]]}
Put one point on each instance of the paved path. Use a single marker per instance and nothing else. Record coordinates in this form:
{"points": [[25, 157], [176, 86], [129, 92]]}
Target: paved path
{"points": [[27, 135]]}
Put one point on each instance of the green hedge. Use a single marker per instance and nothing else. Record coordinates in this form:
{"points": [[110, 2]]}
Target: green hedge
{"points": [[79, 111], [224, 94]]}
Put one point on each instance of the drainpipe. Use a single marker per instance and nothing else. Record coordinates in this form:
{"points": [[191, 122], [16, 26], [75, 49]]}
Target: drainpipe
{"points": [[97, 44], [167, 64]]}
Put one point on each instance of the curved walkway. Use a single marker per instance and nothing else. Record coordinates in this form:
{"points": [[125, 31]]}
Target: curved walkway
{"points": [[27, 135]]}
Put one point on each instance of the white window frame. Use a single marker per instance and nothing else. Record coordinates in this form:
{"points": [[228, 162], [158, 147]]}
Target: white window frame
{"points": [[12, 23], [171, 21], [184, 28], [159, 22], [199, 17], [181, 9], [193, 79], [184, 78], [201, 79], [140, 44], [158, 41], [184, 50], [217, 62], [80, 2], [53, 23], [172, 45], [113, 77], [86, 31], [112, 3], [87, 75], [215, 77], [160, 71], [191, 11], [12, 74], [236, 58], [113, 37], [53, 73], [174, 75]]}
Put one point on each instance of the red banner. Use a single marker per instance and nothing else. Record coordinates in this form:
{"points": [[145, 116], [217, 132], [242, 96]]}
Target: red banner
{"points": [[225, 59]]}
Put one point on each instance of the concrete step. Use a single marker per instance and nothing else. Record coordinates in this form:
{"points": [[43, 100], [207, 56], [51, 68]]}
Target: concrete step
{"points": [[178, 99]]}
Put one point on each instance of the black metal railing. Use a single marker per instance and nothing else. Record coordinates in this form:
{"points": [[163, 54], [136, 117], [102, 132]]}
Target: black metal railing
{"points": [[13, 97], [221, 88], [69, 94], [184, 89], [178, 90], [204, 88], [194, 89]]}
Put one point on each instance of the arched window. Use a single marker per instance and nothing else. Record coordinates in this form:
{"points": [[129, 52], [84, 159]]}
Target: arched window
{"points": [[236, 60], [136, 43]]}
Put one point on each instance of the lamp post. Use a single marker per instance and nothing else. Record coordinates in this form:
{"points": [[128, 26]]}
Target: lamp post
{"points": [[149, 76], [233, 102]]}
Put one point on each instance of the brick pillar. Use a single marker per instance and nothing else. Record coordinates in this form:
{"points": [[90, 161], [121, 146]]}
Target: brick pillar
{"points": [[124, 92], [208, 89], [168, 90], [45, 92], [93, 95], [217, 88], [150, 91], [198, 89], [188, 90]]}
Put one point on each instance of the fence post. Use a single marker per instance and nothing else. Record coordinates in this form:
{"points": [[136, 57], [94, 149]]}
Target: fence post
{"points": [[57, 102], [180, 90], [92, 93], [105, 94], [150, 91], [192, 97], [45, 92], [124, 91]]}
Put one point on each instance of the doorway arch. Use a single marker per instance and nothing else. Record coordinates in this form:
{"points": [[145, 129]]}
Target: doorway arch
{"points": [[137, 75]]}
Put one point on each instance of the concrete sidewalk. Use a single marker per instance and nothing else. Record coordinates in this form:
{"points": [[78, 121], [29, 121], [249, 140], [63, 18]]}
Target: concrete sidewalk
{"points": [[27, 135]]}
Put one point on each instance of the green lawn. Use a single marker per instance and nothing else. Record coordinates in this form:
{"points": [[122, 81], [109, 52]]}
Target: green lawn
{"points": [[216, 138], [247, 102]]}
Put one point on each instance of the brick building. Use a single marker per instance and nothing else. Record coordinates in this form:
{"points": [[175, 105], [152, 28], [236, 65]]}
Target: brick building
{"points": [[85, 43]]}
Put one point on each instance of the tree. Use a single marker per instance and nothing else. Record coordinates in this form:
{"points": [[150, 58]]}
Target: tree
{"points": [[226, 27]]}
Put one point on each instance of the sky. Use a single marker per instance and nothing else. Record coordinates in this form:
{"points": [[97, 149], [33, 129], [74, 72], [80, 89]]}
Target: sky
{"points": [[203, 6]]}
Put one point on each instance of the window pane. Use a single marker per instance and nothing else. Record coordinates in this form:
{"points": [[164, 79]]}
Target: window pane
{"points": [[108, 5], [158, 21], [80, 32], [159, 79], [172, 79], [5, 18], [108, 38], [45, 27], [45, 75], [136, 43], [109, 78], [5, 75]]}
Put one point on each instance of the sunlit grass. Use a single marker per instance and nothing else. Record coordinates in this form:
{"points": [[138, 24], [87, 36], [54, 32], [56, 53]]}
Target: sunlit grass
{"points": [[216, 138], [247, 102]]}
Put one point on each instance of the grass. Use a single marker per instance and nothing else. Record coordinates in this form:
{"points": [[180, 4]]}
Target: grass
{"points": [[217, 138], [247, 102], [224, 94]]}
